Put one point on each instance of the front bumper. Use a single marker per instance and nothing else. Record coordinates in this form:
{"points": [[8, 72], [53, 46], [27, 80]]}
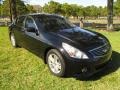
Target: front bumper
{"points": [[87, 67]]}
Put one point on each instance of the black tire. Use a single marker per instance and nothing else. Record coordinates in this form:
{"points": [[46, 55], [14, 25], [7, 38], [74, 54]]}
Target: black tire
{"points": [[13, 40], [62, 72]]}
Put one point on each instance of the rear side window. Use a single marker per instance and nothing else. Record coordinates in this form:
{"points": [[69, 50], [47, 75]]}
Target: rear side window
{"points": [[20, 21]]}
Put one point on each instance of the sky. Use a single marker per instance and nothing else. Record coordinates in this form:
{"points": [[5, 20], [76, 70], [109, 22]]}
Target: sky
{"points": [[79, 2]]}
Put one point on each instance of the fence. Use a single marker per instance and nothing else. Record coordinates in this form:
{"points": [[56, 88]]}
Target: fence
{"points": [[98, 23]]}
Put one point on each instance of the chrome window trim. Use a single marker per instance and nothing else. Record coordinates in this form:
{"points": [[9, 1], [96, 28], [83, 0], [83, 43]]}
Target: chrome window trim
{"points": [[33, 22]]}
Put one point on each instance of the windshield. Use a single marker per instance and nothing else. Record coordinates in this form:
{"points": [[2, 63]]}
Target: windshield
{"points": [[53, 23]]}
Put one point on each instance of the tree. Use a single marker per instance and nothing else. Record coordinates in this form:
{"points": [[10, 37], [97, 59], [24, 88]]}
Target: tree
{"points": [[30, 8], [21, 8], [52, 7], [103, 11], [94, 11], [110, 15], [10, 11], [66, 10], [81, 11], [76, 10], [13, 9], [91, 11], [86, 11], [6, 8], [1, 11], [117, 8]]}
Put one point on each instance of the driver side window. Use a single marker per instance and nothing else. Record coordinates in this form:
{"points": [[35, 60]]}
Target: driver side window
{"points": [[29, 23]]}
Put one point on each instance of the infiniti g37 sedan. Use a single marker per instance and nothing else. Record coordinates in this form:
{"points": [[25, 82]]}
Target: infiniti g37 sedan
{"points": [[64, 47]]}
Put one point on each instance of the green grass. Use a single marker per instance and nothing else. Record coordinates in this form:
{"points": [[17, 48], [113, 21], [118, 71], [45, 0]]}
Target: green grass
{"points": [[22, 70]]}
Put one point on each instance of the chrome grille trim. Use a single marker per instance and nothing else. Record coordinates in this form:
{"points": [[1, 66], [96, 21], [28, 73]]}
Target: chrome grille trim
{"points": [[99, 51], [99, 47]]}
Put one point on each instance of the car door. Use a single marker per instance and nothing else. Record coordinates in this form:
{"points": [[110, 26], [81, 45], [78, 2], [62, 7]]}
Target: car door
{"points": [[19, 30], [32, 39]]}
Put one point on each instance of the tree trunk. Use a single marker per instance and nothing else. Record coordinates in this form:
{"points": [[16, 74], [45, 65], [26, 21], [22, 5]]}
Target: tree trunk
{"points": [[13, 9], [10, 11], [110, 15]]}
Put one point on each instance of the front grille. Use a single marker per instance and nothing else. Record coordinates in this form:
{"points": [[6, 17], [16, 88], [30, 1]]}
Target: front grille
{"points": [[100, 51]]}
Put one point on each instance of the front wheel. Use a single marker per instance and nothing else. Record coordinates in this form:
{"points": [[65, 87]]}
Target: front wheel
{"points": [[56, 63], [13, 40]]}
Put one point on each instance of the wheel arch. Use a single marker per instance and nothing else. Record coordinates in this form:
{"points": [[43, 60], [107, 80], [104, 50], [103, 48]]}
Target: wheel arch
{"points": [[46, 51]]}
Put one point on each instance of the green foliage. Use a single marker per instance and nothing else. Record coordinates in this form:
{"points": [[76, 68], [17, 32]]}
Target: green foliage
{"points": [[52, 7], [66, 9], [94, 11], [80, 10], [1, 9], [74, 10], [117, 8], [102, 11], [5, 8], [30, 8], [20, 7]]}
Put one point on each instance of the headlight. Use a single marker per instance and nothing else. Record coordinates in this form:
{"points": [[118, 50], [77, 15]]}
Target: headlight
{"points": [[74, 52]]}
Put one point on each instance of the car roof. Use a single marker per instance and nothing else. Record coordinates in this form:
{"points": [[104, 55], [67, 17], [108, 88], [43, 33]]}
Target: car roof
{"points": [[46, 14]]}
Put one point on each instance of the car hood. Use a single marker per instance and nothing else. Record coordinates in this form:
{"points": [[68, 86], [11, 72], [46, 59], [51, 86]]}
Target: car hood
{"points": [[81, 36]]}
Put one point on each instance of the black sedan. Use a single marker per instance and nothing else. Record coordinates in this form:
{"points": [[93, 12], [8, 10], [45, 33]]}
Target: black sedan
{"points": [[66, 48]]}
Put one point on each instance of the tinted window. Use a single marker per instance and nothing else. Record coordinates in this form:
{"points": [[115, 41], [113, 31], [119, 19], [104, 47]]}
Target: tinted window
{"points": [[53, 23], [29, 23]]}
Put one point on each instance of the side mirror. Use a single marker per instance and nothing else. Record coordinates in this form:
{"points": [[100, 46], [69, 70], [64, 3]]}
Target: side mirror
{"points": [[31, 29]]}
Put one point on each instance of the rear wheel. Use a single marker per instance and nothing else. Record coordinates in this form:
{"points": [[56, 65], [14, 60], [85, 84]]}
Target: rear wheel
{"points": [[56, 63], [13, 40]]}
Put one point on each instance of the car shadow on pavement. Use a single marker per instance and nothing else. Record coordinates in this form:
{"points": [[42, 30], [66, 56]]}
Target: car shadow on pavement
{"points": [[110, 68]]}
